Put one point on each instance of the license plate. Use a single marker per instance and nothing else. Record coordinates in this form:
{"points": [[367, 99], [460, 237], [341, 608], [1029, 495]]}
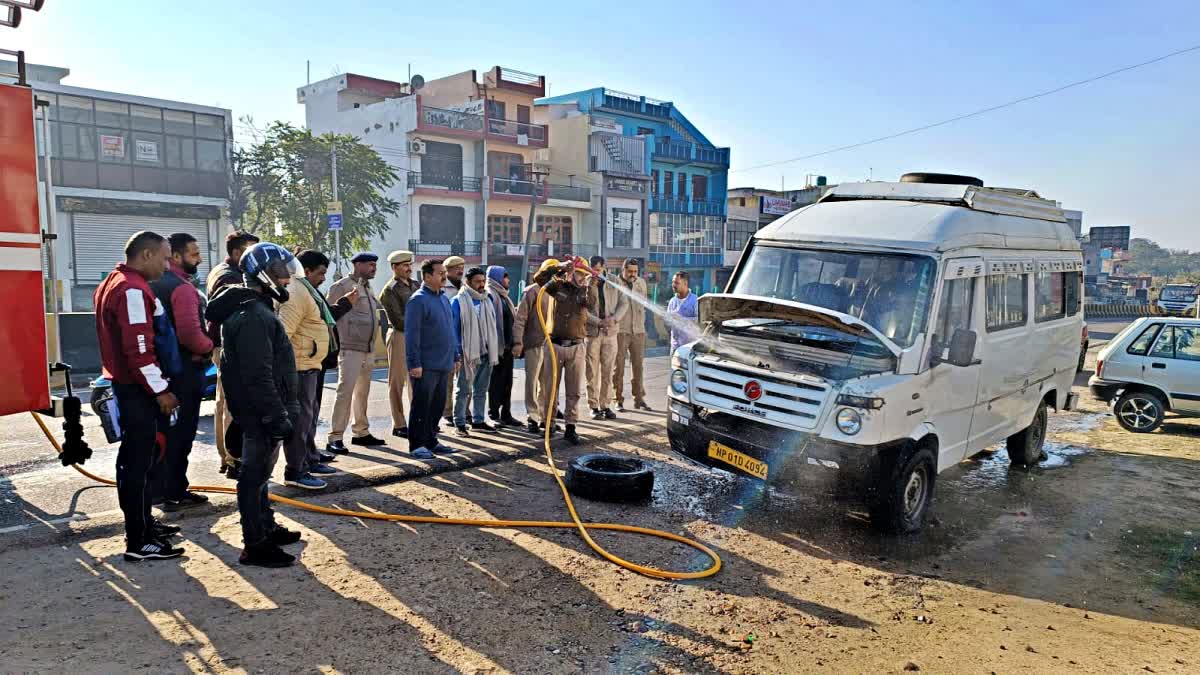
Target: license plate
{"points": [[724, 453]]}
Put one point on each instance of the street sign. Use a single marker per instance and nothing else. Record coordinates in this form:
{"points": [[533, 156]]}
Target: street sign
{"points": [[333, 217]]}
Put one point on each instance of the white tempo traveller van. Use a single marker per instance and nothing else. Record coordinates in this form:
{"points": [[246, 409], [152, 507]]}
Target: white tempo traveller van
{"points": [[884, 334]]}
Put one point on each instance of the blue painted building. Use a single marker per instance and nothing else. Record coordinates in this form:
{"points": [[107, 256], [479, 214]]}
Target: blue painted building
{"points": [[689, 177]]}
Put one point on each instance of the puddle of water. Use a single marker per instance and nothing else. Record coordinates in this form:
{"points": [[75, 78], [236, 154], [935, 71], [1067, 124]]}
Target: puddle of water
{"points": [[993, 469], [1067, 424]]}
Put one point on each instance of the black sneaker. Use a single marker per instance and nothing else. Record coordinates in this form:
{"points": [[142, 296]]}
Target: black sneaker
{"points": [[160, 530], [609, 414], [483, 426], [368, 441], [597, 414], [509, 421], [152, 550], [336, 448], [326, 457], [571, 436], [621, 407], [532, 426], [281, 536], [266, 554], [641, 405], [462, 430], [185, 501], [233, 471], [400, 432]]}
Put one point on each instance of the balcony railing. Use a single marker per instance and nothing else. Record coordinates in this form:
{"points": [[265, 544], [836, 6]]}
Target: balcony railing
{"points": [[508, 188], [638, 105], [451, 119], [444, 182], [444, 248], [569, 193], [703, 207], [543, 250], [672, 150], [513, 131]]}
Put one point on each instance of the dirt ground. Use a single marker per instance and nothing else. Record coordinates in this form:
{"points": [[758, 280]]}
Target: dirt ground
{"points": [[1090, 564]]}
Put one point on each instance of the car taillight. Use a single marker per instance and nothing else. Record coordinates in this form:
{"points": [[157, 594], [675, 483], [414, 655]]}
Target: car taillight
{"points": [[1099, 368], [1085, 333]]}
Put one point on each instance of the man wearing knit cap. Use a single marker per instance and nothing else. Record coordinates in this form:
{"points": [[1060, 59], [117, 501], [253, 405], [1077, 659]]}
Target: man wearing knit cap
{"points": [[455, 266], [357, 331], [394, 298], [500, 389], [530, 342]]}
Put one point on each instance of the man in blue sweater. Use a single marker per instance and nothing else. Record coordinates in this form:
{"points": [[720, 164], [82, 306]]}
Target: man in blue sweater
{"points": [[430, 354]]}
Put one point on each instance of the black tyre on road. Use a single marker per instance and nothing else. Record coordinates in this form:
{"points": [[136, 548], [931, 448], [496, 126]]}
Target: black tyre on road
{"points": [[610, 478], [1025, 447], [1139, 411], [906, 493]]}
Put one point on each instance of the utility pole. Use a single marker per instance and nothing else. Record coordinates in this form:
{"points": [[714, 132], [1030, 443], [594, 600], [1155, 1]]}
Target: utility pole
{"points": [[337, 234], [533, 197]]}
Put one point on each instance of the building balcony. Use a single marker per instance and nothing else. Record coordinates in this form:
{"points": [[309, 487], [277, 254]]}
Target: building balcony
{"points": [[448, 122], [571, 195], [701, 207], [465, 249], [541, 251], [518, 133], [516, 80], [619, 155], [449, 185], [681, 152], [512, 189]]}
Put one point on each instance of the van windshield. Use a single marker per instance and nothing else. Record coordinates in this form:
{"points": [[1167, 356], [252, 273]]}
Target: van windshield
{"points": [[891, 292]]}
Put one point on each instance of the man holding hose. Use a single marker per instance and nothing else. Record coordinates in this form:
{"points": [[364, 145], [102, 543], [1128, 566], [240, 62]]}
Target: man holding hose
{"points": [[567, 287]]}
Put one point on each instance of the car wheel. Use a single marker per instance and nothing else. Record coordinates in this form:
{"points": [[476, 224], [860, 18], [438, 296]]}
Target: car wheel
{"points": [[610, 478], [1139, 411], [906, 493], [1025, 448]]}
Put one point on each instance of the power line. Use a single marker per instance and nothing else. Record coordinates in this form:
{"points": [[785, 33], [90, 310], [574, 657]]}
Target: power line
{"points": [[975, 113]]}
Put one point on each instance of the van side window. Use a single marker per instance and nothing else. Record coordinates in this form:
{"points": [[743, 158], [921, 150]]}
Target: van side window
{"points": [[1073, 287], [1007, 301], [1049, 291], [953, 313], [1142, 344], [1164, 348]]}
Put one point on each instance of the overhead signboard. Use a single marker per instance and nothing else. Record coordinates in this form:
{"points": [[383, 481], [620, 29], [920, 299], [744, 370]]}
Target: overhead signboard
{"points": [[776, 206]]}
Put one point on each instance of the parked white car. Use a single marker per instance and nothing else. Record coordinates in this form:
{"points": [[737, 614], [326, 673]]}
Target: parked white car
{"points": [[1149, 369], [884, 334]]}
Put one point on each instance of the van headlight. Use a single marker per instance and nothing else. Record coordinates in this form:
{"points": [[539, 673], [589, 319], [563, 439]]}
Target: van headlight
{"points": [[849, 422], [679, 382]]}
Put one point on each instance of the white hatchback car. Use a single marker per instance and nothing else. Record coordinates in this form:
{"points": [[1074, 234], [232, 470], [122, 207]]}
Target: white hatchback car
{"points": [[1150, 368]]}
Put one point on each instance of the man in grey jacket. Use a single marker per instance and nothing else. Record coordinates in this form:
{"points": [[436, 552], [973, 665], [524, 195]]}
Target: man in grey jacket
{"points": [[357, 332]]}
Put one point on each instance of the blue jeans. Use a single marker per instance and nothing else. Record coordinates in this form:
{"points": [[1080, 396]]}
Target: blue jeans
{"points": [[481, 379]]}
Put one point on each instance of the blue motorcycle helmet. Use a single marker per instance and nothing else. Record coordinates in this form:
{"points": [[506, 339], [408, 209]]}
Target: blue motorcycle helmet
{"points": [[264, 264]]}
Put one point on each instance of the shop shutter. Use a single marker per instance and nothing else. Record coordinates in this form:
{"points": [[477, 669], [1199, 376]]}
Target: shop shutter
{"points": [[99, 241]]}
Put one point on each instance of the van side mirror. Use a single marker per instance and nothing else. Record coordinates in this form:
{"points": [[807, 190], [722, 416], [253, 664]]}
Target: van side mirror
{"points": [[962, 348]]}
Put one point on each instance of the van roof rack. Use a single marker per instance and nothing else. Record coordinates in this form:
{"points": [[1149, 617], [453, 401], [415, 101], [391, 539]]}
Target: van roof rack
{"points": [[1005, 201]]}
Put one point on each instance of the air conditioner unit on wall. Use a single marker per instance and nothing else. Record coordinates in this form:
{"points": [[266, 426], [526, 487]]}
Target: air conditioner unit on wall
{"points": [[416, 146]]}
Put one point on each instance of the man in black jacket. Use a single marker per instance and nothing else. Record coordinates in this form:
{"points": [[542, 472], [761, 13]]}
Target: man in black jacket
{"points": [[261, 386], [225, 274]]}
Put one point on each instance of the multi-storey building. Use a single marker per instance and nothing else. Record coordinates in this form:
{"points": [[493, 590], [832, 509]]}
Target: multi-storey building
{"points": [[470, 159], [121, 163], [688, 180]]}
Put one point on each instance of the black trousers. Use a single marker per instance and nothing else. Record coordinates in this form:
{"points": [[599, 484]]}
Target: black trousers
{"points": [[188, 387], [500, 389], [428, 402], [136, 458], [259, 455]]}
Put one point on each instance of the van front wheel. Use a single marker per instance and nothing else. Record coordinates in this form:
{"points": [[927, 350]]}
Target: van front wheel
{"points": [[906, 493], [1025, 448]]}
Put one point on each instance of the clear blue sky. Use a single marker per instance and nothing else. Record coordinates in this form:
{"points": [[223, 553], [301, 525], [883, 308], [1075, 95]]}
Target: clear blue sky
{"points": [[770, 80]]}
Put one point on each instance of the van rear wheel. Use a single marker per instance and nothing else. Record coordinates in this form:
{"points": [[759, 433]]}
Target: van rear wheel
{"points": [[1025, 448], [906, 493]]}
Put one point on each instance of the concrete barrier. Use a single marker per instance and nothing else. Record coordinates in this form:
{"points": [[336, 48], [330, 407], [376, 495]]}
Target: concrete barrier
{"points": [[1117, 311]]}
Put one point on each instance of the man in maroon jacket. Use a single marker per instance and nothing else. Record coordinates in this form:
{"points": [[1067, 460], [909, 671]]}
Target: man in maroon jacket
{"points": [[185, 306], [125, 311]]}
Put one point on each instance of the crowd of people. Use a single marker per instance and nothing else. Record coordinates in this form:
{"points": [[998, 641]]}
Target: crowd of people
{"points": [[453, 337]]}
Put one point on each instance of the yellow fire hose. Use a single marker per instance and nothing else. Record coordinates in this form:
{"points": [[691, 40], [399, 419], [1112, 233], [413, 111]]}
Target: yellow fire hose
{"points": [[575, 522]]}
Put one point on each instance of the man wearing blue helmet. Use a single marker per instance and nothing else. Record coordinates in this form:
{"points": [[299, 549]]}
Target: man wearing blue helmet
{"points": [[258, 367]]}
